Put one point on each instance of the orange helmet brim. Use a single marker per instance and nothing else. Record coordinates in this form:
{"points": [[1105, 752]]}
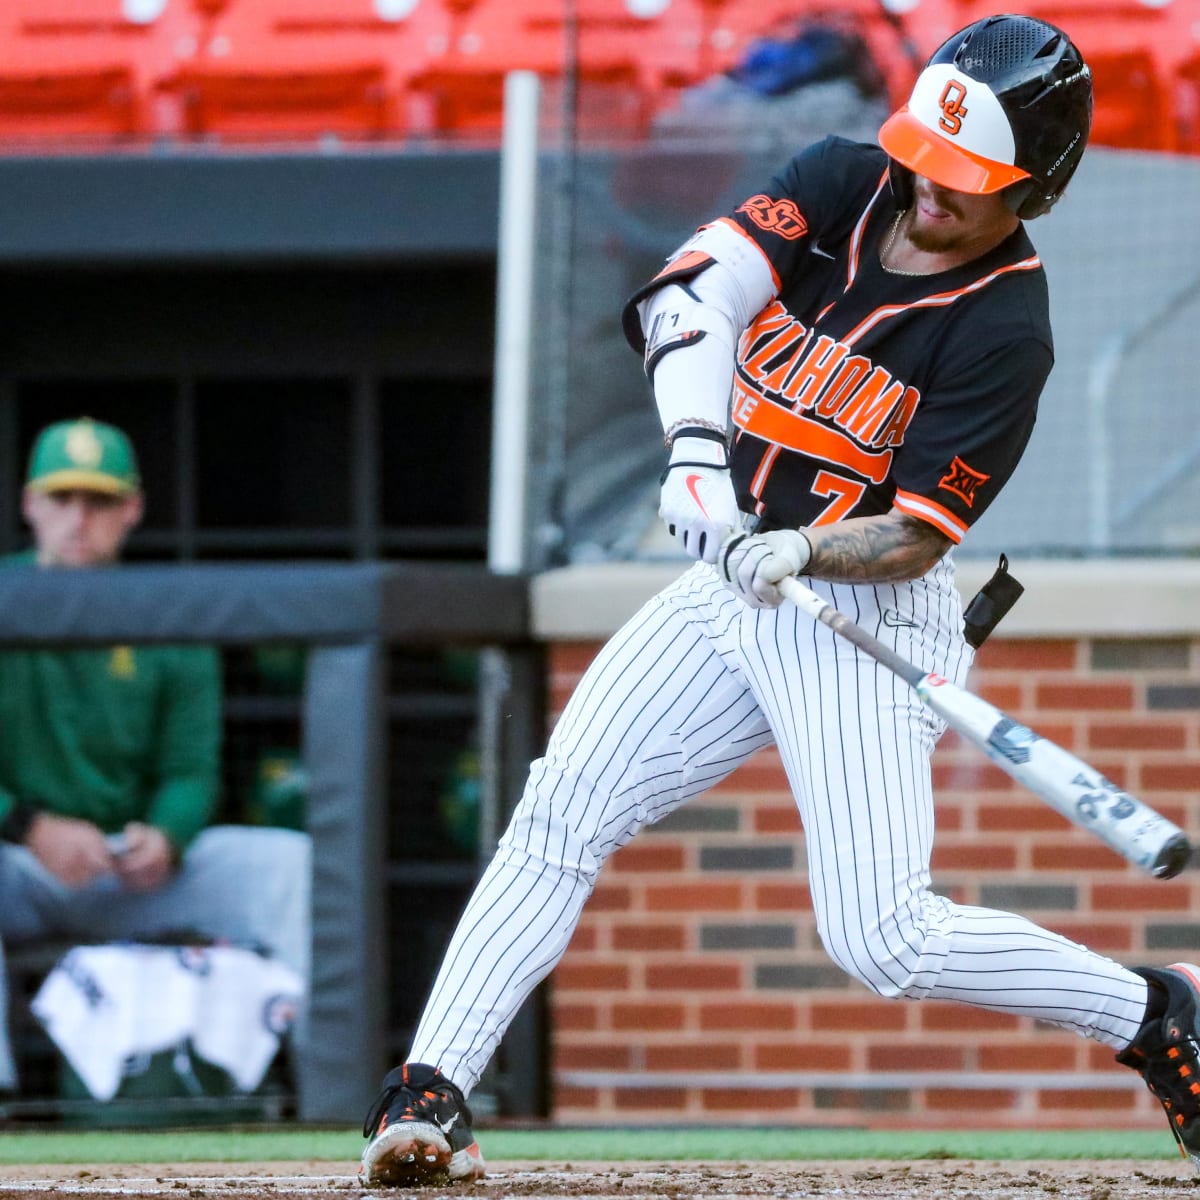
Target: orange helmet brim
{"points": [[927, 153]]}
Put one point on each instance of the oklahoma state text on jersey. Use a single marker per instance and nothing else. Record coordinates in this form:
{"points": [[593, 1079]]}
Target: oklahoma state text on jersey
{"points": [[858, 390]]}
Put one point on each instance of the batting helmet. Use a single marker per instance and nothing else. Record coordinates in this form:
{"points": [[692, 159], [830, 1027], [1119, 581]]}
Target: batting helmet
{"points": [[1003, 105]]}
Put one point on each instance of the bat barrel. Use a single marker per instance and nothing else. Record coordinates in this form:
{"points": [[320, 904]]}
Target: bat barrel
{"points": [[1068, 784], [1071, 787]]}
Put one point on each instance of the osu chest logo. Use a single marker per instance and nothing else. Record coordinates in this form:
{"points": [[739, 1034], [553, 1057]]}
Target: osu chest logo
{"points": [[776, 216], [953, 95]]}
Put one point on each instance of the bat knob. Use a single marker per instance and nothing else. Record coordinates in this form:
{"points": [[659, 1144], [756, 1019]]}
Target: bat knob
{"points": [[1172, 858]]}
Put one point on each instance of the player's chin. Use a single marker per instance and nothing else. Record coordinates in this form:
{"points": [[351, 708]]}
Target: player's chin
{"points": [[85, 557], [937, 230]]}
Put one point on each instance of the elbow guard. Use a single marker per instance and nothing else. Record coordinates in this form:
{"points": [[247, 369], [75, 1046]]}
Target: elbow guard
{"points": [[675, 317], [717, 282]]}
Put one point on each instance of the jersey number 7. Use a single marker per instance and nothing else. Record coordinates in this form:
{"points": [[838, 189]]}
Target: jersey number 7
{"points": [[843, 495]]}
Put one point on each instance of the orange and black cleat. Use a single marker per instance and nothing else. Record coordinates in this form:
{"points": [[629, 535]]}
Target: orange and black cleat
{"points": [[420, 1131], [1166, 1052]]}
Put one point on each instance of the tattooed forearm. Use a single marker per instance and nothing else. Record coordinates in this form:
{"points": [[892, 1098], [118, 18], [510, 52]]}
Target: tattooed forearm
{"points": [[883, 549]]}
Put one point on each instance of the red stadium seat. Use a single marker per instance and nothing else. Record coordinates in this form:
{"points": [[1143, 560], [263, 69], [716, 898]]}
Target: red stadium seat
{"points": [[56, 102], [74, 70], [470, 102], [663, 37], [1124, 44], [417, 29], [305, 68], [1133, 108], [464, 90], [228, 102]]}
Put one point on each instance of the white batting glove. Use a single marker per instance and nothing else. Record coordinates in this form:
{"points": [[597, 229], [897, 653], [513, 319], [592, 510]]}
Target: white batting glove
{"points": [[697, 503], [751, 565]]}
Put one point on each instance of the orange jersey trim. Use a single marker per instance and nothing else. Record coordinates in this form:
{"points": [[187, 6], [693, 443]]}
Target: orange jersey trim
{"points": [[856, 238], [938, 299], [929, 510], [729, 221], [685, 262], [760, 476]]}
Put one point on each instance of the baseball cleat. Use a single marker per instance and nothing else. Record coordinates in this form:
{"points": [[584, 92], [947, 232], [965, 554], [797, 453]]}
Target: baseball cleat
{"points": [[420, 1131], [1167, 1055]]}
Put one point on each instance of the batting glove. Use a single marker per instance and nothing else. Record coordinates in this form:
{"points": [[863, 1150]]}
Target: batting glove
{"points": [[697, 503], [751, 565]]}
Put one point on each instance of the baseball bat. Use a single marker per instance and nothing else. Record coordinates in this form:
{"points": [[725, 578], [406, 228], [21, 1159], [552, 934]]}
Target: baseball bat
{"points": [[1069, 785]]}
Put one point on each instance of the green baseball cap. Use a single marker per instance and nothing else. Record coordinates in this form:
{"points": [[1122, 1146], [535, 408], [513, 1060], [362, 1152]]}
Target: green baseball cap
{"points": [[86, 455]]}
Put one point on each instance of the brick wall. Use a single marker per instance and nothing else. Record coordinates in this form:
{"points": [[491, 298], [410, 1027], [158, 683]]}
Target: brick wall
{"points": [[696, 988]]}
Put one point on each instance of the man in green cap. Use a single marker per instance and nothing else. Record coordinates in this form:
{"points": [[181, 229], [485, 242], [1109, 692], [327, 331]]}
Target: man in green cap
{"points": [[110, 759], [83, 496]]}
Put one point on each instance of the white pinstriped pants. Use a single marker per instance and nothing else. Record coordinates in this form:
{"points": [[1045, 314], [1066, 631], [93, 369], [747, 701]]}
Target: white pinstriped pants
{"points": [[690, 688]]}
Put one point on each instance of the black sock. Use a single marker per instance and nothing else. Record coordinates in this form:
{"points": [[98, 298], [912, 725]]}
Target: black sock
{"points": [[1156, 1001]]}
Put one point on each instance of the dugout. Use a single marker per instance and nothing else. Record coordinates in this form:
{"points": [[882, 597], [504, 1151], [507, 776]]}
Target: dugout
{"points": [[240, 315], [301, 348]]}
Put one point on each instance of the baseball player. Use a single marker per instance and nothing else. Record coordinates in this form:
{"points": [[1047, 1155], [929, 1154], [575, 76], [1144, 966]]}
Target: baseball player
{"points": [[872, 329]]}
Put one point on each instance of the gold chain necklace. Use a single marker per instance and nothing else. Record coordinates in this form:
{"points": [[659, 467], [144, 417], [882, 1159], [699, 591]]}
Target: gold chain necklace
{"points": [[887, 249]]}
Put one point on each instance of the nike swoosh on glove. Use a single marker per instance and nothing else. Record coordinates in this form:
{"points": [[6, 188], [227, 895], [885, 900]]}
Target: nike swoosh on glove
{"points": [[697, 503], [751, 565]]}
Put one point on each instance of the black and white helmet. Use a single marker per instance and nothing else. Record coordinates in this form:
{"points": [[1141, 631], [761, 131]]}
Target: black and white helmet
{"points": [[1003, 105]]}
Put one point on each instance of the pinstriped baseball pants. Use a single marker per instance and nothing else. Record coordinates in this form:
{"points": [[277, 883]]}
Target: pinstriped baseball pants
{"points": [[687, 690]]}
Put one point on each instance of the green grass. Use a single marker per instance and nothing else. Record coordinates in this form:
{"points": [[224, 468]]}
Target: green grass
{"points": [[583, 1145]]}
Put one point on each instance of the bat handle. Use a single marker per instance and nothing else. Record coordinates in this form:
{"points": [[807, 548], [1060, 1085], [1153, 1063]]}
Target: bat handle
{"points": [[1172, 858], [802, 597]]}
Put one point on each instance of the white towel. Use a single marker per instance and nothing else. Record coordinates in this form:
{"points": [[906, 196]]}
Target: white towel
{"points": [[106, 1005]]}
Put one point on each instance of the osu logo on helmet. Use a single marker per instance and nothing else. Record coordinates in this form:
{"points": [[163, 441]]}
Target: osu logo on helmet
{"points": [[953, 95]]}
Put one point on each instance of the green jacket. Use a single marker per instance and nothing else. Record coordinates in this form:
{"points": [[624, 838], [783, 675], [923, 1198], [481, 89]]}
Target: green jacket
{"points": [[124, 733]]}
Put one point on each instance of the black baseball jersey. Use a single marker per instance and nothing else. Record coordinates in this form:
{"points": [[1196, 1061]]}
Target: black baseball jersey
{"points": [[858, 389]]}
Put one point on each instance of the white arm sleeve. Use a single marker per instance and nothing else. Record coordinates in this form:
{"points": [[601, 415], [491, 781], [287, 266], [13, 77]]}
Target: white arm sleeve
{"points": [[692, 328], [694, 383]]}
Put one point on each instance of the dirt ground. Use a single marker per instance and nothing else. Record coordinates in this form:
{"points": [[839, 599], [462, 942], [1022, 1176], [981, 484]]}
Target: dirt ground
{"points": [[951, 1179]]}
